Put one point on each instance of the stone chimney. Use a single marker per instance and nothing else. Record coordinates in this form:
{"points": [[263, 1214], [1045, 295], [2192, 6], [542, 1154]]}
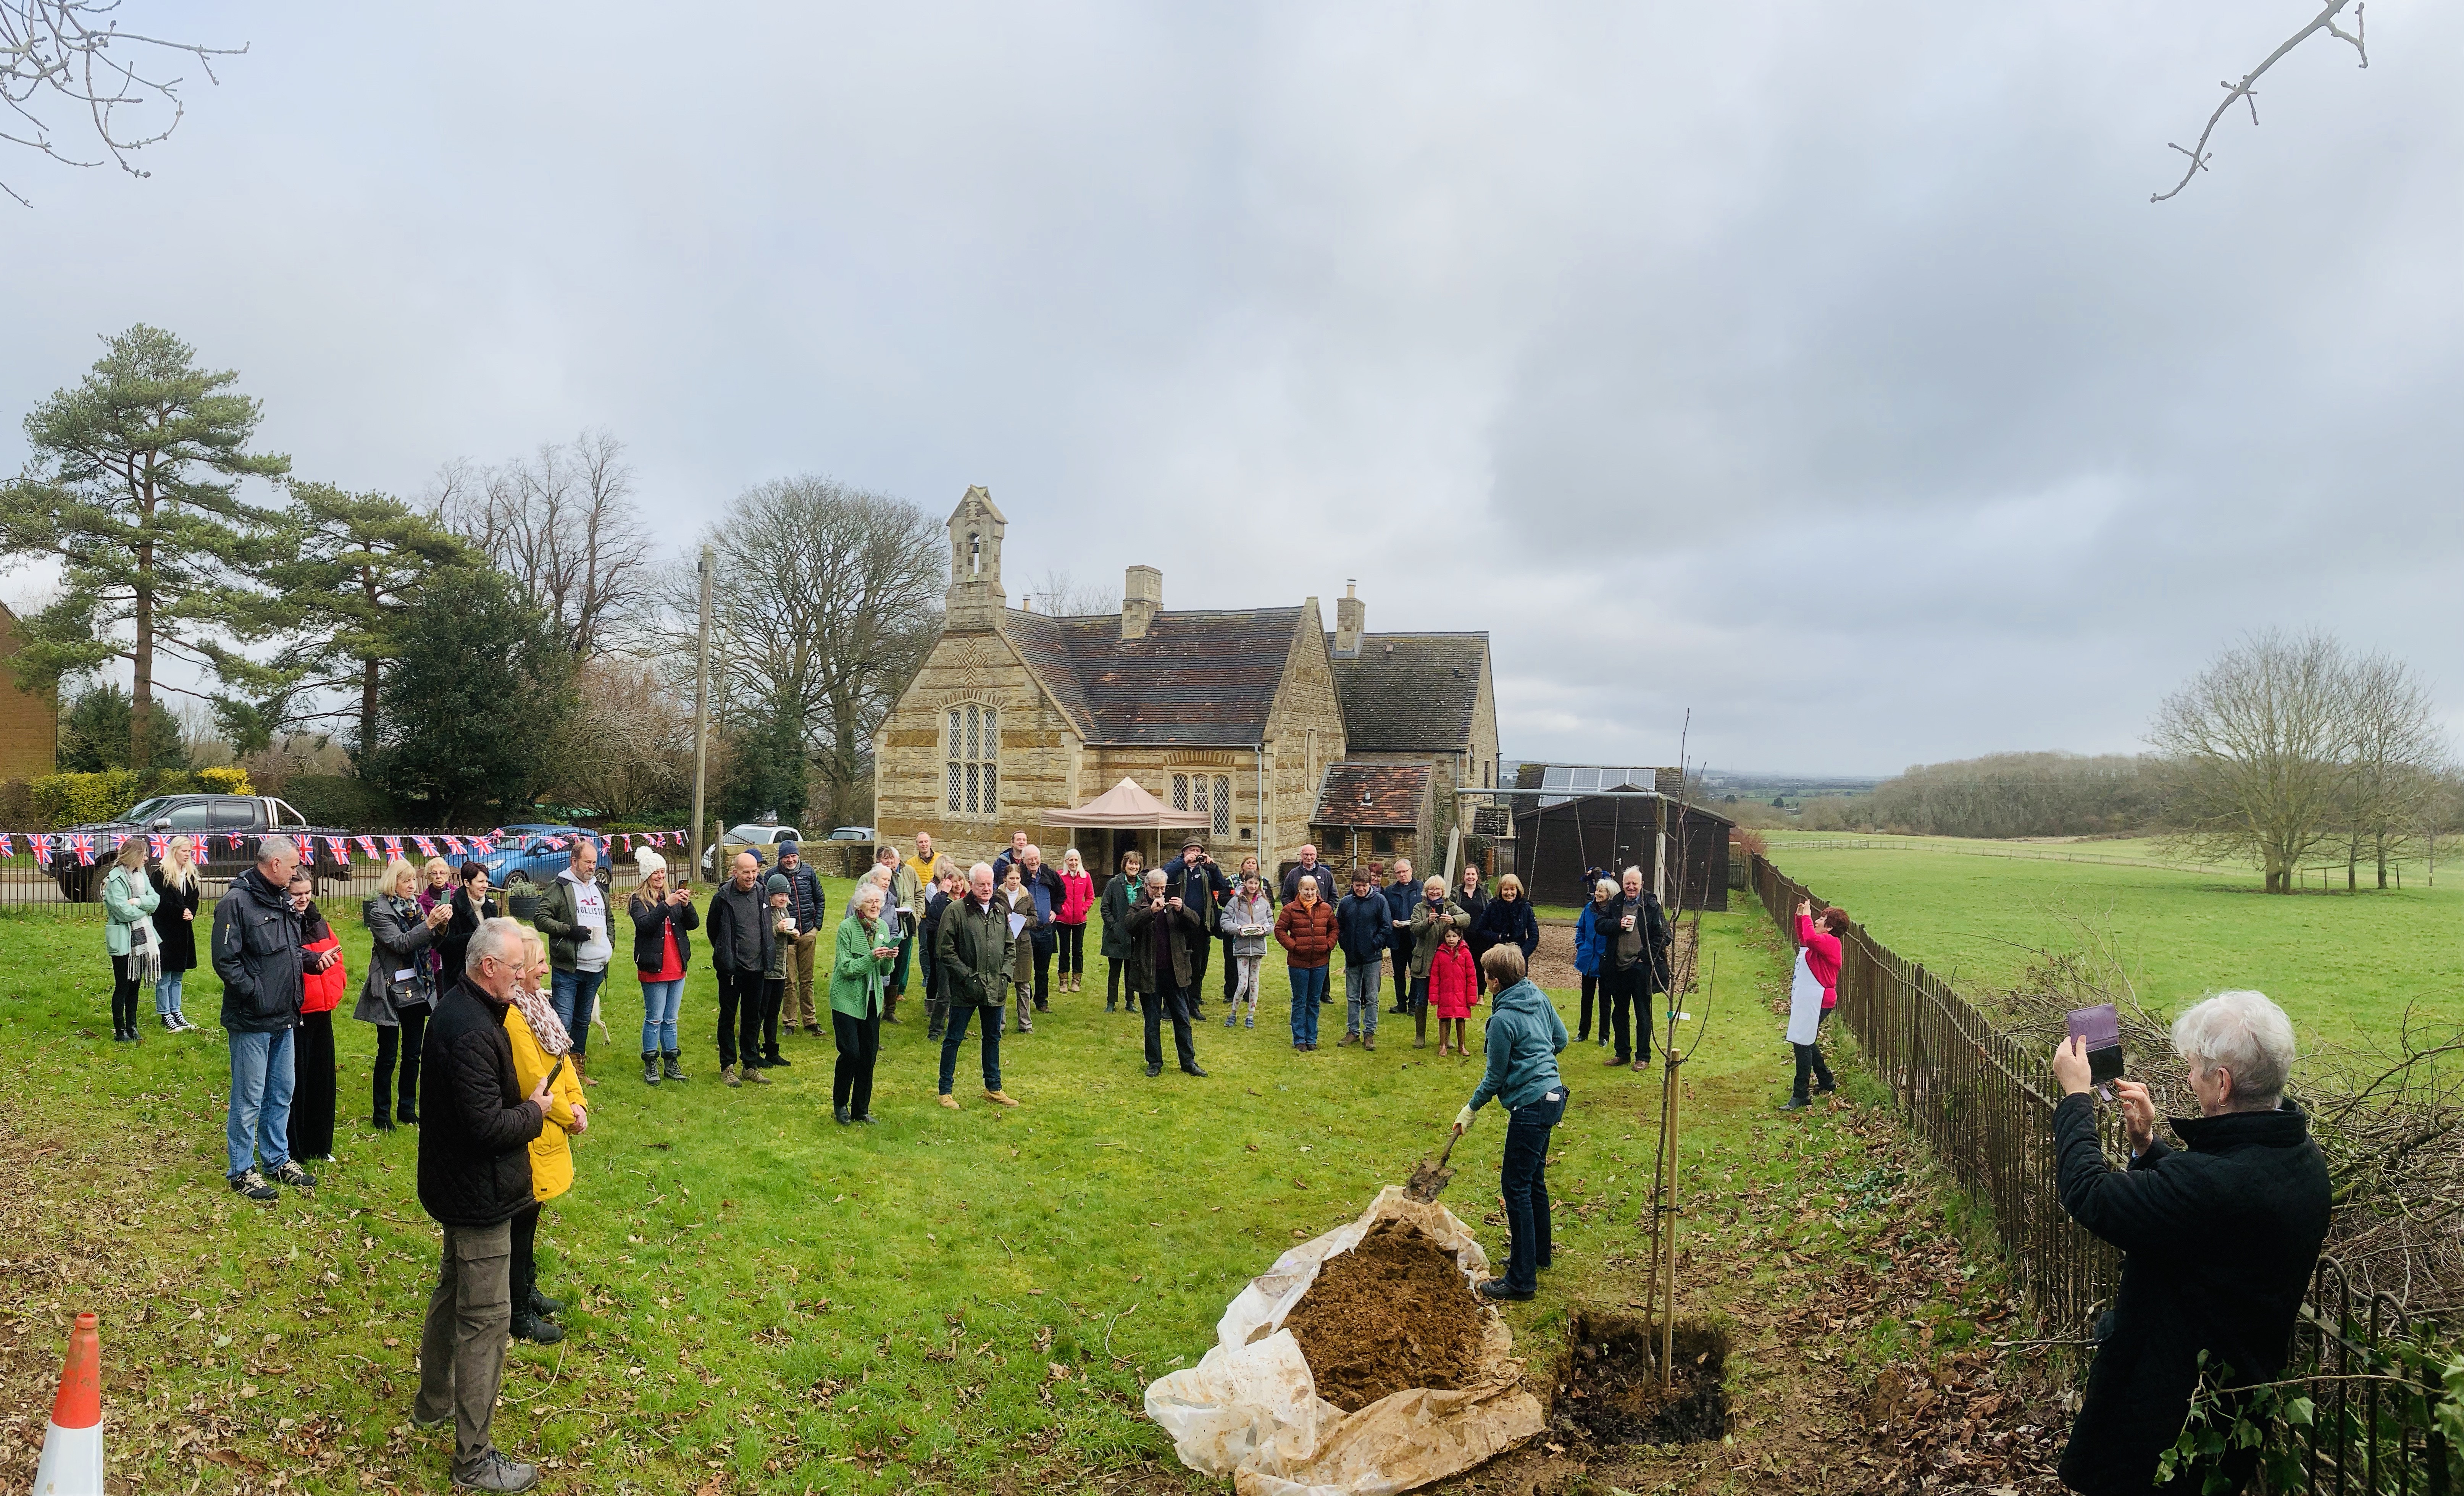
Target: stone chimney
{"points": [[1141, 599], [1351, 622]]}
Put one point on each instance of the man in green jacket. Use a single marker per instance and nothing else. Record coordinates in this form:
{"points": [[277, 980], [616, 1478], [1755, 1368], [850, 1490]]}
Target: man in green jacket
{"points": [[972, 953], [1429, 920]]}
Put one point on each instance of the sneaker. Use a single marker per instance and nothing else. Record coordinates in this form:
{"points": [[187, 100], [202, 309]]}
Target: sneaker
{"points": [[494, 1472], [1231, 1020], [1251, 1021], [294, 1175], [250, 1184], [757, 1077], [727, 1076]]}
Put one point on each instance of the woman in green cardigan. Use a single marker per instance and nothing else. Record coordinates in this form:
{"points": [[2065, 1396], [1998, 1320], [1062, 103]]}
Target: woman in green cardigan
{"points": [[867, 951], [128, 935]]}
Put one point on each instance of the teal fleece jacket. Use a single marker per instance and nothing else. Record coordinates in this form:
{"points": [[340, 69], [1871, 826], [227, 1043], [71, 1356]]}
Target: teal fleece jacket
{"points": [[1524, 1037]]}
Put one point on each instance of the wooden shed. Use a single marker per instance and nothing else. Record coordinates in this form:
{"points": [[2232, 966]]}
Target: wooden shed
{"points": [[1559, 843]]}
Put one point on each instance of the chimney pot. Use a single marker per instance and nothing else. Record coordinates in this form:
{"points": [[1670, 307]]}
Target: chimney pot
{"points": [[1351, 622], [1141, 599]]}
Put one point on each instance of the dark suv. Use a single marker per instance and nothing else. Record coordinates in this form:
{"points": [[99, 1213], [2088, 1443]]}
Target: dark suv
{"points": [[211, 821]]}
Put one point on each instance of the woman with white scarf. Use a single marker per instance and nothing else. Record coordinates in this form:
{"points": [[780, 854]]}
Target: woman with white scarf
{"points": [[541, 1047], [128, 935]]}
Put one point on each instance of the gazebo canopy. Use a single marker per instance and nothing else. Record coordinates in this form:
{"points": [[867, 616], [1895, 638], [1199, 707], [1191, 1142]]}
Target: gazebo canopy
{"points": [[1124, 805]]}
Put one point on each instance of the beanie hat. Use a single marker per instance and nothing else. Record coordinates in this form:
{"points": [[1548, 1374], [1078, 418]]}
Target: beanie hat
{"points": [[778, 884], [785, 844], [648, 861]]}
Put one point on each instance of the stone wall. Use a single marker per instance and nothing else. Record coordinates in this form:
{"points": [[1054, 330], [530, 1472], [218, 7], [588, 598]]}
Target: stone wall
{"points": [[1039, 762], [1303, 735]]}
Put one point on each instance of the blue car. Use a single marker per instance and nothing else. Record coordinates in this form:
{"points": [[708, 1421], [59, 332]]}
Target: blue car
{"points": [[525, 855]]}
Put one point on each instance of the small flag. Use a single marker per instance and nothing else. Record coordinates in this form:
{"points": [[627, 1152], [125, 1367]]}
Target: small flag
{"points": [[482, 846], [42, 846], [453, 845], [158, 845], [118, 840], [393, 846], [6, 849], [307, 849], [83, 846], [427, 848], [341, 847]]}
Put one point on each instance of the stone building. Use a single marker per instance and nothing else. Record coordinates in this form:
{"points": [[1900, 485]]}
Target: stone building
{"points": [[29, 722], [1233, 715]]}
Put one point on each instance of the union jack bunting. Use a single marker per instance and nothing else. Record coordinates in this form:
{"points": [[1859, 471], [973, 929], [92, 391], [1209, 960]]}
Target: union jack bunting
{"points": [[556, 842], [6, 849], [42, 846], [453, 845], [158, 847], [307, 849], [118, 840], [427, 848], [482, 844], [341, 848], [232, 838], [83, 846], [393, 846]]}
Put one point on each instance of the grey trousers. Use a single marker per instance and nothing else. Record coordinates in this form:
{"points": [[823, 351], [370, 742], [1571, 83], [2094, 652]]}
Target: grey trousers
{"points": [[462, 1348]]}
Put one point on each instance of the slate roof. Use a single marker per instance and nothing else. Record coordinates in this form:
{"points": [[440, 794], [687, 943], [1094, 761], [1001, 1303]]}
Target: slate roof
{"points": [[1201, 678], [1410, 693], [1394, 793]]}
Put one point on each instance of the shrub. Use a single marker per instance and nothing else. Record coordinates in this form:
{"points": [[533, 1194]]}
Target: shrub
{"points": [[1746, 842], [75, 798], [17, 808], [345, 802], [229, 779]]}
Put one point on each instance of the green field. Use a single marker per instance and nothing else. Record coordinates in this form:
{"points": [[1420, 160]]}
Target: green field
{"points": [[2345, 966]]}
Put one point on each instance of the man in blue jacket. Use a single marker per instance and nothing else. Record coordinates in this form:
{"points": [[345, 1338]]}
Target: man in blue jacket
{"points": [[1362, 927], [1400, 895]]}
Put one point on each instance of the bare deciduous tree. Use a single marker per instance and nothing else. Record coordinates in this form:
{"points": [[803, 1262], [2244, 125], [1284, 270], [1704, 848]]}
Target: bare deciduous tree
{"points": [[75, 51], [1060, 595], [2244, 92], [2397, 752], [563, 524], [2257, 750], [828, 599], [627, 749]]}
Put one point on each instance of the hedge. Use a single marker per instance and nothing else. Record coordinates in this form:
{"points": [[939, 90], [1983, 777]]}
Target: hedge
{"points": [[60, 800]]}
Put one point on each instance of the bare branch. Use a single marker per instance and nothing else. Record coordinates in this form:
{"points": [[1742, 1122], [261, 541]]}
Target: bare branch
{"points": [[2324, 21], [63, 47]]}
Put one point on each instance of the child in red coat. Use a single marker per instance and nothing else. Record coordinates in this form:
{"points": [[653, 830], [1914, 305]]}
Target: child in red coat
{"points": [[1454, 986]]}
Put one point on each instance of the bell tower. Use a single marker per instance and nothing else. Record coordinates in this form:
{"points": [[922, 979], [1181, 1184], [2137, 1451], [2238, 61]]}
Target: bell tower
{"points": [[975, 603]]}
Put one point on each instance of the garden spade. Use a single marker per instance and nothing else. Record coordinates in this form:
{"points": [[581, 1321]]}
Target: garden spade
{"points": [[1429, 1179]]}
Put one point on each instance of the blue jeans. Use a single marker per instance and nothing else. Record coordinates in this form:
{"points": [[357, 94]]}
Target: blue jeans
{"points": [[1308, 989], [660, 1000], [167, 994], [575, 997], [1523, 1179], [1361, 995], [959, 1013], [257, 1129]]}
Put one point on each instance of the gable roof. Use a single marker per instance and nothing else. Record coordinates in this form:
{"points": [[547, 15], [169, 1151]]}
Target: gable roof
{"points": [[1203, 679], [1411, 692], [1374, 795]]}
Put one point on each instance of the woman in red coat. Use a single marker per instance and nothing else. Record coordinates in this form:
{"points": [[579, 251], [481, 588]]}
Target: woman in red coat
{"points": [[1454, 986], [1819, 937], [322, 981], [1077, 901], [1305, 930]]}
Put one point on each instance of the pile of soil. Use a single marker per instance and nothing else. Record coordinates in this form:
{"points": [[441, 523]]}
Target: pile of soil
{"points": [[1610, 1386], [1391, 1314]]}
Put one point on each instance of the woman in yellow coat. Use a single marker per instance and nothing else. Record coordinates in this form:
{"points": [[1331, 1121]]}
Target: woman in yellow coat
{"points": [[538, 1040]]}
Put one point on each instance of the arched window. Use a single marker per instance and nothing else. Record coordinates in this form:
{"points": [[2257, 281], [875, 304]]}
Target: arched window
{"points": [[1223, 804], [971, 761]]}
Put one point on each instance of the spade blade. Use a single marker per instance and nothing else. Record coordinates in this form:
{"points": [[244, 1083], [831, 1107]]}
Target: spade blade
{"points": [[1428, 1181]]}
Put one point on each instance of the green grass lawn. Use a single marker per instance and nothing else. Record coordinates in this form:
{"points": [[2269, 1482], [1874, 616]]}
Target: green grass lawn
{"points": [[2345, 966], [761, 1300]]}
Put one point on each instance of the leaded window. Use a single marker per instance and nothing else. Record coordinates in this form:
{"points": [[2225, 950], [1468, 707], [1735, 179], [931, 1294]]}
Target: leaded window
{"points": [[970, 761], [1223, 804]]}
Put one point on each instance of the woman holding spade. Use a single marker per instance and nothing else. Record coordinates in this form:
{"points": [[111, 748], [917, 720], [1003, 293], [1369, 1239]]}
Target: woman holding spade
{"points": [[1524, 1039]]}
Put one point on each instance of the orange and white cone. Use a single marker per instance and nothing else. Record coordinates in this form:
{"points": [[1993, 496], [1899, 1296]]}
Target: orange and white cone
{"points": [[73, 1446]]}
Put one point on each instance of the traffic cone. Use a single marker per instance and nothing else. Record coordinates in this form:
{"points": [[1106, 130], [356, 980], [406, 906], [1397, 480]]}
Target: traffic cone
{"points": [[73, 1446]]}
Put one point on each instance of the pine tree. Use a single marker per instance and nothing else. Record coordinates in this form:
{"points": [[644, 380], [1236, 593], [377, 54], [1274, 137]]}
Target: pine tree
{"points": [[134, 483], [352, 567], [479, 686]]}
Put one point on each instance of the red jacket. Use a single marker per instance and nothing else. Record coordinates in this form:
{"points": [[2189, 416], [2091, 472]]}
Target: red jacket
{"points": [[1821, 956], [1077, 897], [1307, 930], [1454, 977], [320, 991]]}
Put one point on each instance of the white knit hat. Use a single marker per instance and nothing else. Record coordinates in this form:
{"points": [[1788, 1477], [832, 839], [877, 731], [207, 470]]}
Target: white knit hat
{"points": [[648, 861]]}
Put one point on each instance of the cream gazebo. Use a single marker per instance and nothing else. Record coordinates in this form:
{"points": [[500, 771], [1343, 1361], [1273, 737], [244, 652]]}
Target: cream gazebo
{"points": [[1136, 817]]}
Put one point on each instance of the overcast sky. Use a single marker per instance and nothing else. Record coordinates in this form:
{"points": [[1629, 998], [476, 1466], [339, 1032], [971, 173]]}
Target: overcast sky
{"points": [[1824, 369]]}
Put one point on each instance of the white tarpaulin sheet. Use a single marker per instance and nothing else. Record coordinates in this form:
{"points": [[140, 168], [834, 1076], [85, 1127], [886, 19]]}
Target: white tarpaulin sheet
{"points": [[1804, 1004], [1250, 1409]]}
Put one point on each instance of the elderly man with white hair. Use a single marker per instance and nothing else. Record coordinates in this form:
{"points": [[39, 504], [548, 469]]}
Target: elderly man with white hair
{"points": [[2218, 1237]]}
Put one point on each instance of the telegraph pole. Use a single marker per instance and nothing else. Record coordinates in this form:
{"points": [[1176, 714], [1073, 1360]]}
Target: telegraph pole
{"points": [[701, 718]]}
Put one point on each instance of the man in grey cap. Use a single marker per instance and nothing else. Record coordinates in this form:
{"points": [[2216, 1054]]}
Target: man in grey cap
{"points": [[796, 1008]]}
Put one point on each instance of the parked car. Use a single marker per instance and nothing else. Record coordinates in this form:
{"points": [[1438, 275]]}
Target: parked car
{"points": [[211, 821], [850, 833], [528, 856], [746, 838]]}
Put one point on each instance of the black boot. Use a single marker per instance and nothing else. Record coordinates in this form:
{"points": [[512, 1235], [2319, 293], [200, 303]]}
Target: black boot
{"points": [[674, 1072], [773, 1059], [649, 1067]]}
